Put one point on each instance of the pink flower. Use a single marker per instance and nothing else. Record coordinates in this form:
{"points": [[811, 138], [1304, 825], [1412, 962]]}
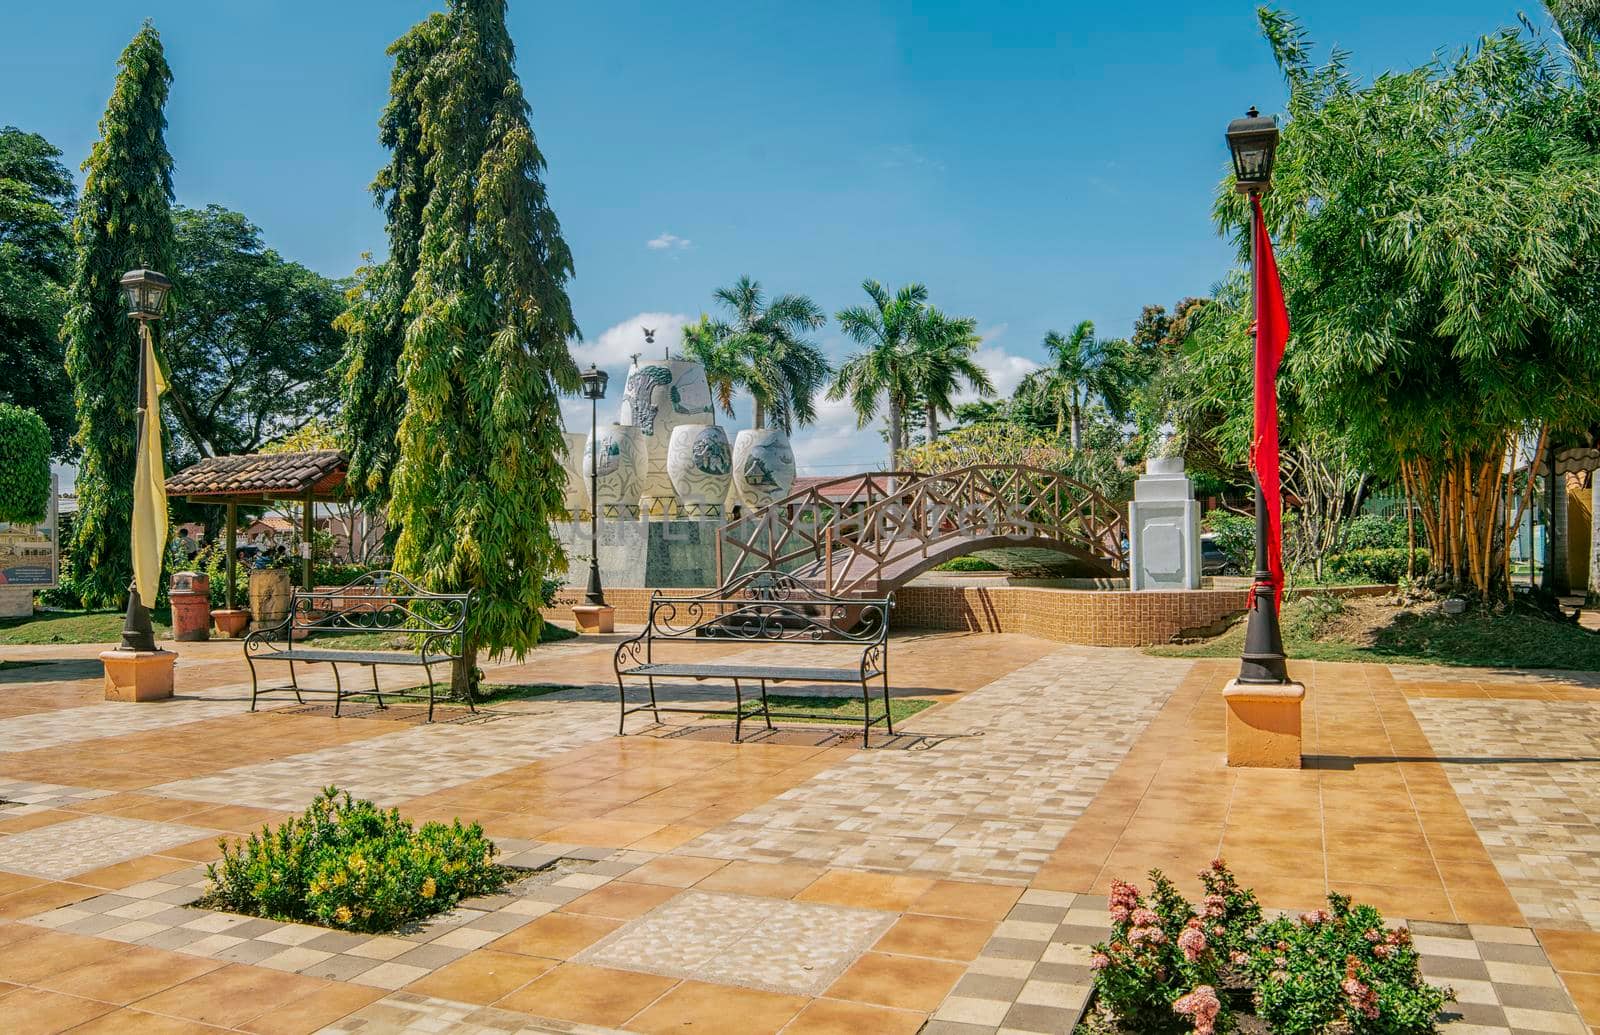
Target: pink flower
{"points": [[1216, 905], [1383, 952], [1123, 894], [1119, 914], [1218, 930], [1201, 1006], [1373, 936], [1313, 918], [1362, 996], [1145, 918], [1147, 935], [1099, 961], [1219, 866], [1239, 959], [1192, 942]]}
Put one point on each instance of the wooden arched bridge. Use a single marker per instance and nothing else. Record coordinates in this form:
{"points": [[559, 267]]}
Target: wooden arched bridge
{"points": [[868, 534]]}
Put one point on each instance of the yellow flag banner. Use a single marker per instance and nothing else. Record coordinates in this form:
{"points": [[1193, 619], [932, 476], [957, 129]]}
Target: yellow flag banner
{"points": [[149, 482]]}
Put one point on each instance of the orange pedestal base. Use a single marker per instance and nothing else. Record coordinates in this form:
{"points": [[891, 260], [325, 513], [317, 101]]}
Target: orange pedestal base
{"points": [[1264, 724], [595, 618], [138, 675]]}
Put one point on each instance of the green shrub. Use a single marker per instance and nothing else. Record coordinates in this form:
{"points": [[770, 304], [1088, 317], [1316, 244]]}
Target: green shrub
{"points": [[1341, 966], [350, 865], [967, 564], [1236, 535], [1375, 565], [1373, 532], [24, 466]]}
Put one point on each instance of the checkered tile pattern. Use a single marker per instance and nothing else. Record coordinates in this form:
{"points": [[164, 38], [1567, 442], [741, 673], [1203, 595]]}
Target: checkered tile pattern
{"points": [[1033, 977], [159, 913], [24, 796], [62, 850]]}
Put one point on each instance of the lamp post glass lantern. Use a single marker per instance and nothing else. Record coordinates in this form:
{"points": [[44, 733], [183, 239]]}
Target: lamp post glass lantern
{"points": [[144, 292], [594, 389], [1253, 143]]}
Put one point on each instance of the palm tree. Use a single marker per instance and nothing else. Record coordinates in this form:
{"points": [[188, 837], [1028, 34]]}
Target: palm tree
{"points": [[942, 360], [887, 331], [1083, 368], [764, 352]]}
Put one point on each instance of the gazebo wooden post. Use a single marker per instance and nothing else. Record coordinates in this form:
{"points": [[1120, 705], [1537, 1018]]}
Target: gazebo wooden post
{"points": [[233, 549], [306, 529]]}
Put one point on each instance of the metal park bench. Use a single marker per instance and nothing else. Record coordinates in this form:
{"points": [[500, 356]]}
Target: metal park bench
{"points": [[379, 602], [768, 608]]}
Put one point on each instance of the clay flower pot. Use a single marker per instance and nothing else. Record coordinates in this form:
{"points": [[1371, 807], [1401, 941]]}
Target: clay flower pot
{"points": [[230, 624]]}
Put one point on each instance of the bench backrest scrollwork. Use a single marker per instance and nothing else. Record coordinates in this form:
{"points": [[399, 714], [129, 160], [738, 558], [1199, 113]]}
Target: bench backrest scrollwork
{"points": [[378, 602]]}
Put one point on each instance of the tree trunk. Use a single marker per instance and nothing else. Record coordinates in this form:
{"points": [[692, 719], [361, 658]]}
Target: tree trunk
{"points": [[933, 422], [1594, 538], [895, 431], [464, 670], [1077, 427]]}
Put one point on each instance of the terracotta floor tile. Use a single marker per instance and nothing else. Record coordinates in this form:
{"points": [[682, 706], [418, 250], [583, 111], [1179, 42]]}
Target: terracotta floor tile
{"points": [[482, 976], [11, 883], [41, 898], [126, 977], [966, 899], [50, 952], [621, 900], [601, 833], [1585, 992], [589, 995], [835, 1017], [128, 1021], [556, 936], [122, 875], [771, 880], [865, 890], [231, 996], [312, 1012], [1416, 903], [706, 1009], [1572, 951], [670, 836], [903, 982], [941, 937], [35, 1011], [676, 871], [34, 820]]}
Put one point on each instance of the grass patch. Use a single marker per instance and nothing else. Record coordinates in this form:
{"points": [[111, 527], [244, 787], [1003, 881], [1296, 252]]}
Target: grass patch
{"points": [[488, 693], [1329, 629], [822, 708], [407, 641], [76, 627]]}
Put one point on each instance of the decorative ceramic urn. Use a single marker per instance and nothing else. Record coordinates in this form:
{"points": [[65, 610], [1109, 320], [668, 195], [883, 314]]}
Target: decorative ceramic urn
{"points": [[763, 466], [700, 464], [621, 458], [661, 395], [577, 494]]}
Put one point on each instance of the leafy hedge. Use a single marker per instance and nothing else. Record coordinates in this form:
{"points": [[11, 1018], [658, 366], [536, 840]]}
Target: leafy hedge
{"points": [[351, 865], [968, 564], [1372, 532], [1375, 565], [1235, 534], [24, 465]]}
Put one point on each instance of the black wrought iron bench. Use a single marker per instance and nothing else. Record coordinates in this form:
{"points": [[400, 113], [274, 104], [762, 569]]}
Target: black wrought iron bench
{"points": [[763, 607], [380, 602]]}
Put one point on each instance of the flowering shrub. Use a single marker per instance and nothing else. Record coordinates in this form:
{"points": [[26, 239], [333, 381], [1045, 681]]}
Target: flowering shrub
{"points": [[1170, 967], [1341, 964], [351, 865]]}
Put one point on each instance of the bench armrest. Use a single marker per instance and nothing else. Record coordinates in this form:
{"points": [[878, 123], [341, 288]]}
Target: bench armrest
{"points": [[259, 639], [632, 652]]}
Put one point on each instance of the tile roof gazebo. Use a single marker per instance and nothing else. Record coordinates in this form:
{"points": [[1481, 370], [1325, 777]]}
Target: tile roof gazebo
{"points": [[310, 477]]}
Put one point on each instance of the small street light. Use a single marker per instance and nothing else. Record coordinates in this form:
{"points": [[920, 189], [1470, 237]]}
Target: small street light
{"points": [[594, 389], [1253, 141], [145, 294]]}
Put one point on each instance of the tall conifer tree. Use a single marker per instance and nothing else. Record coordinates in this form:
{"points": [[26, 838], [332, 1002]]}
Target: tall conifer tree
{"points": [[479, 476], [123, 222]]}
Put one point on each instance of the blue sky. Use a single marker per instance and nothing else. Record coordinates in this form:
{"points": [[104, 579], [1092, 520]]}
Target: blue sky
{"points": [[1033, 163]]}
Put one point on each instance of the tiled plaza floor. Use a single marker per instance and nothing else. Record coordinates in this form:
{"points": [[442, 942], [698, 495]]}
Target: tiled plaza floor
{"points": [[946, 881]]}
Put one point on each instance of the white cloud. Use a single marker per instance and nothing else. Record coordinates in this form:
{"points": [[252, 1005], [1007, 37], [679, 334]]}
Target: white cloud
{"points": [[1005, 369], [667, 242], [616, 344]]}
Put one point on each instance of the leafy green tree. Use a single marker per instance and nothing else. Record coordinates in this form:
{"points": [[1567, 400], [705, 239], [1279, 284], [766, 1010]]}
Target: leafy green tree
{"points": [[884, 372], [374, 322], [24, 466], [123, 222], [36, 204], [1440, 241], [1082, 369], [479, 479], [251, 351], [943, 361], [765, 352]]}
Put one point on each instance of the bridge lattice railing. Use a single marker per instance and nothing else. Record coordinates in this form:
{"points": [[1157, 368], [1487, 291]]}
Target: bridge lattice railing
{"points": [[848, 543]]}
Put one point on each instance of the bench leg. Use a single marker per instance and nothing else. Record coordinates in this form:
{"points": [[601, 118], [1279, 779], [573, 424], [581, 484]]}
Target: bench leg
{"points": [[622, 709], [888, 716], [338, 687], [429, 670], [255, 686], [866, 715], [653, 709], [295, 682], [738, 710], [765, 711]]}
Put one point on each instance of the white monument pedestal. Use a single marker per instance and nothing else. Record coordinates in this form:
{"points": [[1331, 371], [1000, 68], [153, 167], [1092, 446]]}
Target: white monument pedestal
{"points": [[1163, 529]]}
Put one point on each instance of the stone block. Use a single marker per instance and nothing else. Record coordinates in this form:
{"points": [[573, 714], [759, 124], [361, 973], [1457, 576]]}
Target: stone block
{"points": [[142, 675], [594, 618], [1264, 724]]}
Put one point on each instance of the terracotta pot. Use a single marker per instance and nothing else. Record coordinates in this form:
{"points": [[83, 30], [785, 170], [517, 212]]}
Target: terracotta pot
{"points": [[230, 624]]}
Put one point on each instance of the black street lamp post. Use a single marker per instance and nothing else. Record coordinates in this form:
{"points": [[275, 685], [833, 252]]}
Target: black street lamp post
{"points": [[144, 292], [594, 389], [1253, 142]]}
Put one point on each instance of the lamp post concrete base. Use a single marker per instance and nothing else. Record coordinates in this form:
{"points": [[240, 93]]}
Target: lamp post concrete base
{"points": [[592, 619], [1264, 724], [138, 675]]}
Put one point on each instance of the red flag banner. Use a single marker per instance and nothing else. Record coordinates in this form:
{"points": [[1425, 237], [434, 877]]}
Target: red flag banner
{"points": [[1272, 334]]}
